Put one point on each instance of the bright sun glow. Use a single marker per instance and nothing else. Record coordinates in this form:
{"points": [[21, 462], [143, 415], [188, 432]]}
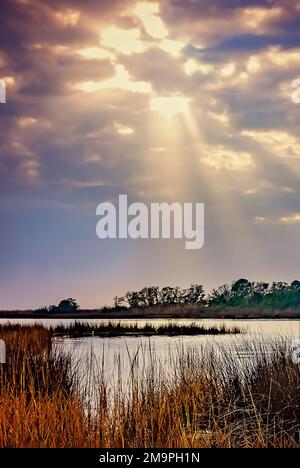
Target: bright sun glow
{"points": [[126, 41], [147, 13], [170, 106]]}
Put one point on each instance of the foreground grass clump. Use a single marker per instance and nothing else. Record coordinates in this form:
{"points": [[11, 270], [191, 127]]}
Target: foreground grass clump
{"points": [[196, 399], [80, 329]]}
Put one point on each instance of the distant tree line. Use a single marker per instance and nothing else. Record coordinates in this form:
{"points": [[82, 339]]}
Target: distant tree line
{"points": [[238, 294], [153, 295], [241, 293], [244, 293]]}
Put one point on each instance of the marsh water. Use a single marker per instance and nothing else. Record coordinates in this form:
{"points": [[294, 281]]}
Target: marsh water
{"points": [[113, 357]]}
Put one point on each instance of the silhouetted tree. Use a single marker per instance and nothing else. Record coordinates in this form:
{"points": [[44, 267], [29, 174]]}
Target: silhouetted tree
{"points": [[68, 305], [241, 293], [295, 284], [195, 294], [169, 295]]}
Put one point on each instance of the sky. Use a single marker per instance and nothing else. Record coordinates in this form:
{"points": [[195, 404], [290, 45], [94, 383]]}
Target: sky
{"points": [[170, 101]]}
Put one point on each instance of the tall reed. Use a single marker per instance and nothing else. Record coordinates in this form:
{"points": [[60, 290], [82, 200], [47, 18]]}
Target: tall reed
{"points": [[199, 398]]}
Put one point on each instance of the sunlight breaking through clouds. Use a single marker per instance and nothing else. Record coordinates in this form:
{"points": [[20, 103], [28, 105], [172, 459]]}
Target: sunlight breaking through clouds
{"points": [[125, 41], [223, 158], [278, 142], [121, 80], [27, 121], [123, 129], [169, 106], [255, 17], [172, 47], [291, 218], [148, 14], [175, 99], [192, 66], [68, 17]]}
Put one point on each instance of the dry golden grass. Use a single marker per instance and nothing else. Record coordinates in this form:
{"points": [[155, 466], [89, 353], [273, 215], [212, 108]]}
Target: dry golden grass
{"points": [[199, 402]]}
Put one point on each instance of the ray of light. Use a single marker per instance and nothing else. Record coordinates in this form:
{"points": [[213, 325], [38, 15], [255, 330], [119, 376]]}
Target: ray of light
{"points": [[169, 106], [221, 187]]}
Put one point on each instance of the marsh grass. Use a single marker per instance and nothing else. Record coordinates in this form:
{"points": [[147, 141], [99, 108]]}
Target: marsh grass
{"points": [[80, 329], [200, 398]]}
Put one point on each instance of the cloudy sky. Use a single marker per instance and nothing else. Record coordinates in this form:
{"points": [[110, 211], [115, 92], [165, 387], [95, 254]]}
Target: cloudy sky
{"points": [[177, 100]]}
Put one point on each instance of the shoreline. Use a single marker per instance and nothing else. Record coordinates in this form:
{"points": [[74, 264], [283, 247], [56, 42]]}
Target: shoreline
{"points": [[152, 313]]}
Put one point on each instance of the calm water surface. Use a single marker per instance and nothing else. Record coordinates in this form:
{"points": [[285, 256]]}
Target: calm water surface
{"points": [[115, 356]]}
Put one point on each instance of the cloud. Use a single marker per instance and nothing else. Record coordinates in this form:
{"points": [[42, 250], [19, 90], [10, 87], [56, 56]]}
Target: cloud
{"points": [[148, 14], [219, 158], [172, 47], [287, 220], [120, 80], [68, 17], [233, 24], [123, 129], [278, 142], [88, 87], [290, 219], [126, 41]]}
